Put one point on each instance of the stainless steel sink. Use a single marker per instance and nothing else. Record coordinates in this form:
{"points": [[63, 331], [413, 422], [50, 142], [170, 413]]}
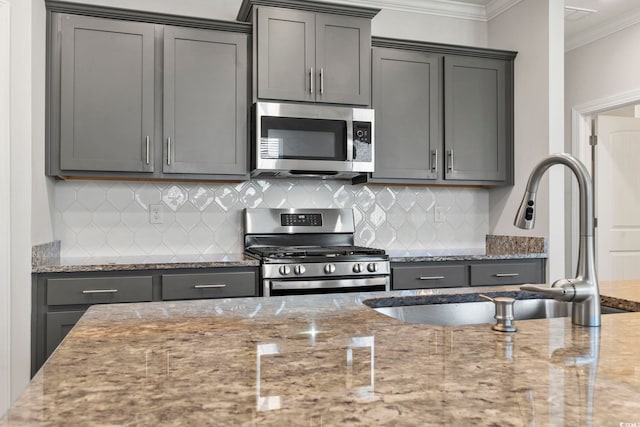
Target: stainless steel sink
{"points": [[469, 313]]}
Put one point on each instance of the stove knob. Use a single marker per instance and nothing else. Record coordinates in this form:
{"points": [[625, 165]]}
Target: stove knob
{"points": [[329, 268], [373, 267], [284, 270], [299, 269], [357, 268]]}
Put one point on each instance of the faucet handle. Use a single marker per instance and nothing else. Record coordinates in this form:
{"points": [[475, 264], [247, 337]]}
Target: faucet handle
{"points": [[560, 292]]}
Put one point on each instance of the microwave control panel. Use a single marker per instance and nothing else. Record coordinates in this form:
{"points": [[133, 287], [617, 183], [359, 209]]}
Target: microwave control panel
{"points": [[362, 141]]}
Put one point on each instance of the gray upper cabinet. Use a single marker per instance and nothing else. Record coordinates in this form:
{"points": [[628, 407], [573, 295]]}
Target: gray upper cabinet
{"points": [[475, 105], [444, 114], [148, 96], [286, 54], [312, 57], [106, 94], [406, 100], [205, 102]]}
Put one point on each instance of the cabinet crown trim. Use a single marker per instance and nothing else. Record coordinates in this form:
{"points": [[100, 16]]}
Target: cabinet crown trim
{"points": [[145, 16], [441, 48], [244, 14]]}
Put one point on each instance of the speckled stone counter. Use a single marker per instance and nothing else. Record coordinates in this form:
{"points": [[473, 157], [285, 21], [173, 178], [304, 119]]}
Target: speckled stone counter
{"points": [[430, 256], [329, 360], [155, 262]]}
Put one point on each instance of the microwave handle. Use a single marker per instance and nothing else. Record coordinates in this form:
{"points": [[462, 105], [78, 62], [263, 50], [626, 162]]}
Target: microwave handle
{"points": [[350, 156]]}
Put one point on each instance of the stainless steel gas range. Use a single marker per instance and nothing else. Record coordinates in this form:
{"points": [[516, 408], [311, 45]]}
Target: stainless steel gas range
{"points": [[305, 251]]}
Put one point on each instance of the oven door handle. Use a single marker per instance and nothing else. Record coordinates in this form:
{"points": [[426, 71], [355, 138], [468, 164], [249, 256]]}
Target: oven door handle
{"points": [[283, 285]]}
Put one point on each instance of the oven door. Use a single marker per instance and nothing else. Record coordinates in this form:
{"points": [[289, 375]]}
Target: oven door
{"points": [[274, 287]]}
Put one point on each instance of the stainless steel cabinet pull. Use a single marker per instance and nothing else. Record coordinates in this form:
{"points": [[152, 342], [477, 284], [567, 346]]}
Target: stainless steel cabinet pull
{"points": [[434, 160], [430, 277], [507, 274], [311, 80], [99, 291], [213, 285], [169, 151], [450, 154], [321, 81], [147, 148]]}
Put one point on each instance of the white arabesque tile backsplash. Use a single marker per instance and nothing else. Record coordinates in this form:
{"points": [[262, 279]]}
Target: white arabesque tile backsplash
{"points": [[107, 218]]}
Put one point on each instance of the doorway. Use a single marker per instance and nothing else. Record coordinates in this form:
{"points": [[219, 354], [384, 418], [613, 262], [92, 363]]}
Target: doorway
{"points": [[613, 162]]}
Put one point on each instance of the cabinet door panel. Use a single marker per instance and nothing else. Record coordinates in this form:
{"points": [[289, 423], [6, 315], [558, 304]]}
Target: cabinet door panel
{"points": [[58, 326], [204, 102], [107, 84], [286, 54], [406, 99], [343, 58], [475, 120]]}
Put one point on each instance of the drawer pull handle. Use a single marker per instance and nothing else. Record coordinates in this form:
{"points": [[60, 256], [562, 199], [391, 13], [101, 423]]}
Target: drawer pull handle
{"points": [[507, 274], [430, 277], [99, 291], [214, 285]]}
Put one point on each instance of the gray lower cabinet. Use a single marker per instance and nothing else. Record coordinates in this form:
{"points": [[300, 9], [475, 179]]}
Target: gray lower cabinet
{"points": [[446, 274], [130, 97], [60, 299], [312, 57], [209, 285], [444, 114]]}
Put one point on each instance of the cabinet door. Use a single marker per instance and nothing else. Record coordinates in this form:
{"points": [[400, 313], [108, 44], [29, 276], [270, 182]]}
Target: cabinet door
{"points": [[58, 326], [406, 100], [286, 54], [205, 102], [343, 59], [106, 97], [475, 119]]}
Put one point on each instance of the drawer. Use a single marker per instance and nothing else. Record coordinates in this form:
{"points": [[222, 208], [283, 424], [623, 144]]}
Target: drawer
{"points": [[505, 273], [96, 290], [423, 277], [209, 285]]}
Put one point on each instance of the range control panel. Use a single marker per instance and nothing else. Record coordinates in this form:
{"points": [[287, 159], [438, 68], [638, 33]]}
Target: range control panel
{"points": [[313, 220]]}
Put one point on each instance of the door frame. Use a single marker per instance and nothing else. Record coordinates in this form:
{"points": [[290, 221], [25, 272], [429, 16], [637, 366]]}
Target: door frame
{"points": [[581, 115]]}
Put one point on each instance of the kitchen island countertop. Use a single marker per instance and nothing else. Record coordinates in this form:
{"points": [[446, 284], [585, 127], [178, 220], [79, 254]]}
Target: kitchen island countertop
{"points": [[330, 360]]}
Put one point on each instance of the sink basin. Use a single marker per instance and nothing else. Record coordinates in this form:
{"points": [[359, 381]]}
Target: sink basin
{"points": [[469, 313]]}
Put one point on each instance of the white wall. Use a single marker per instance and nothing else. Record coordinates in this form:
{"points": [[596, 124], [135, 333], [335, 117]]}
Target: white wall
{"points": [[25, 124], [534, 28], [600, 70], [5, 209]]}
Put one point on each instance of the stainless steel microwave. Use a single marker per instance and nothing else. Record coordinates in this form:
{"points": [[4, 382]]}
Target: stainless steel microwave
{"points": [[308, 140]]}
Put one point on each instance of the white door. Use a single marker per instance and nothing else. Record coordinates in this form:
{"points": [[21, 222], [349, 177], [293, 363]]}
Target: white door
{"points": [[617, 187]]}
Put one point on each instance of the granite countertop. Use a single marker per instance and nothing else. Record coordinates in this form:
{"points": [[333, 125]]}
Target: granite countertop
{"points": [[330, 360], [144, 262], [431, 256]]}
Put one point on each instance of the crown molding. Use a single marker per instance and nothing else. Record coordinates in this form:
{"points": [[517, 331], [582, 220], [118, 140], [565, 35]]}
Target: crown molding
{"points": [[446, 8], [601, 31]]}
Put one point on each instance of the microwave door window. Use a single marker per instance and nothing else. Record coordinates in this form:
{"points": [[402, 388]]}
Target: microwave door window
{"points": [[303, 139]]}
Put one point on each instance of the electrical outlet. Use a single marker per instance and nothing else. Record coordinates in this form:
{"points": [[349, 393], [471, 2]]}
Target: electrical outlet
{"points": [[155, 214], [439, 214]]}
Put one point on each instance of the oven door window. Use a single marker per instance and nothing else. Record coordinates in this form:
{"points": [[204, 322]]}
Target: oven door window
{"points": [[303, 139]]}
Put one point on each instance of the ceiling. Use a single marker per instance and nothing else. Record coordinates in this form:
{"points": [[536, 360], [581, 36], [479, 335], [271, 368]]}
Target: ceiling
{"points": [[585, 20]]}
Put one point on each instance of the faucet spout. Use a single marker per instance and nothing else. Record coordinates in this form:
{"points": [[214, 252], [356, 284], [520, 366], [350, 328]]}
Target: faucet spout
{"points": [[586, 299]]}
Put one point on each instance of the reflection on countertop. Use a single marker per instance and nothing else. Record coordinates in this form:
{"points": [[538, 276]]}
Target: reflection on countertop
{"points": [[330, 360]]}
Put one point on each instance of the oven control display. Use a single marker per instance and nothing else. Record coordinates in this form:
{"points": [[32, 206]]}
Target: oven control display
{"points": [[287, 220]]}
